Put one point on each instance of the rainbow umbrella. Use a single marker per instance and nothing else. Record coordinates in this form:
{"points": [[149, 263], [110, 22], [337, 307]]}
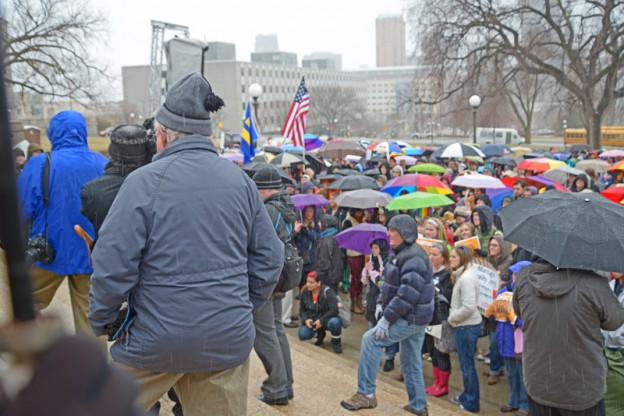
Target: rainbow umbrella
{"points": [[419, 200], [540, 164], [427, 168], [617, 166], [385, 147], [416, 182]]}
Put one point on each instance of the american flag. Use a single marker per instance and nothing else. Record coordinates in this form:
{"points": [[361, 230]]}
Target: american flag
{"points": [[294, 127]]}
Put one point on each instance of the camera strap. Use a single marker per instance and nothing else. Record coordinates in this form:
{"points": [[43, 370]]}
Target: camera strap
{"points": [[45, 186]]}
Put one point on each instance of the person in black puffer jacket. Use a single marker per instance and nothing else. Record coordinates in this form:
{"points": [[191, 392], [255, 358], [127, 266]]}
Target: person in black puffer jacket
{"points": [[406, 308]]}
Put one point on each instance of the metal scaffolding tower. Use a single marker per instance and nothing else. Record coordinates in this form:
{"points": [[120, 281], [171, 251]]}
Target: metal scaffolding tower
{"points": [[157, 61]]}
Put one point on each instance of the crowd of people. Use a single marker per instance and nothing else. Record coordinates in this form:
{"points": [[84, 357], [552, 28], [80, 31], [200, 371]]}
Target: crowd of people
{"points": [[186, 275]]}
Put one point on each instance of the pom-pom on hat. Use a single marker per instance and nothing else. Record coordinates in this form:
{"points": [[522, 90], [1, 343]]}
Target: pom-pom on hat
{"points": [[188, 105]]}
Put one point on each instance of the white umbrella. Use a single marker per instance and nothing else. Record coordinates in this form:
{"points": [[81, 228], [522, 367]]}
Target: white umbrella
{"points": [[363, 199], [409, 160], [600, 166], [458, 150], [477, 180], [561, 173]]}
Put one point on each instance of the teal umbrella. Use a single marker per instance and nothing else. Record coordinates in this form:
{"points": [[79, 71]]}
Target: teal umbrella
{"points": [[418, 200]]}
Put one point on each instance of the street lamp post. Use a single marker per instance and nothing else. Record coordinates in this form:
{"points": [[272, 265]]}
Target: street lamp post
{"points": [[255, 91], [474, 102], [565, 126]]}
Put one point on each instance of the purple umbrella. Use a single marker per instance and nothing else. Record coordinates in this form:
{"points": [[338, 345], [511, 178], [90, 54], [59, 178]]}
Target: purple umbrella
{"points": [[312, 142], [303, 200], [360, 237], [233, 157]]}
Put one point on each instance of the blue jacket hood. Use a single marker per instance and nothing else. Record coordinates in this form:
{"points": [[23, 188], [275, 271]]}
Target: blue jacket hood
{"points": [[67, 129]]}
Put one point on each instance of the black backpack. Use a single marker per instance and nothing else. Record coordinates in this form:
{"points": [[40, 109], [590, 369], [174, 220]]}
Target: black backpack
{"points": [[293, 263]]}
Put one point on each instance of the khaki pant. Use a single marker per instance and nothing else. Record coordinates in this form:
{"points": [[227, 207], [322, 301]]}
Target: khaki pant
{"points": [[211, 393], [44, 286]]}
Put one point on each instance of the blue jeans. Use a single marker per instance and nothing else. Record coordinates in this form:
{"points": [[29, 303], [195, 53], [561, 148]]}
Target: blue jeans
{"points": [[466, 343], [410, 337], [496, 360], [518, 396], [334, 325], [391, 350]]}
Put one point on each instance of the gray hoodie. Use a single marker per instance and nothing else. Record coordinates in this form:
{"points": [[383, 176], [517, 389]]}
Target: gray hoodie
{"points": [[563, 311]]}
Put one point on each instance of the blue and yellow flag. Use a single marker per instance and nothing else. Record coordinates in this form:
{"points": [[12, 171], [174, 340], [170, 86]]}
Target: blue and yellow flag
{"points": [[249, 136]]}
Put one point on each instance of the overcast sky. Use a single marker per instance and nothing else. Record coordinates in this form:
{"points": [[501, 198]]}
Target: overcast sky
{"points": [[346, 27]]}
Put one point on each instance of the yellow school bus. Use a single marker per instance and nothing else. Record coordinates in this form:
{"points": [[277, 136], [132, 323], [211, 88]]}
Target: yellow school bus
{"points": [[611, 136]]}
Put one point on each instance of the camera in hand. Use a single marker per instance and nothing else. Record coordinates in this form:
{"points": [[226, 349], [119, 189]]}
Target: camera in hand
{"points": [[39, 249]]}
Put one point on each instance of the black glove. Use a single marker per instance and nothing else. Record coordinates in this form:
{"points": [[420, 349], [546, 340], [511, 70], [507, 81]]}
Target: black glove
{"points": [[112, 328]]}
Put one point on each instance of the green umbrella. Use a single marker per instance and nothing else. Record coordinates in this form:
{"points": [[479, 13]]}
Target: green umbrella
{"points": [[427, 168], [417, 200]]}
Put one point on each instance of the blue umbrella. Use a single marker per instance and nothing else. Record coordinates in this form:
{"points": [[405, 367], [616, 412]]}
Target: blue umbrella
{"points": [[413, 151], [312, 142], [495, 150], [497, 196]]}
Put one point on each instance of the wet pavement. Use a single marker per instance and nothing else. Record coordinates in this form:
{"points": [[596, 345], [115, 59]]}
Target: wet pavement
{"points": [[323, 378]]}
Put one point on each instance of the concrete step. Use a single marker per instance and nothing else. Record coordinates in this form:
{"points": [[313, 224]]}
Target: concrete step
{"points": [[323, 379]]}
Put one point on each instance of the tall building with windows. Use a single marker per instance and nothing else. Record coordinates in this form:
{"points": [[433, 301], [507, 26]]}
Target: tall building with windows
{"points": [[266, 43], [390, 41], [323, 60]]}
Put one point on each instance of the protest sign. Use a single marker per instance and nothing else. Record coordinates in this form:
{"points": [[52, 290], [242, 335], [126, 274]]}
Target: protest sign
{"points": [[427, 243], [472, 242], [488, 282]]}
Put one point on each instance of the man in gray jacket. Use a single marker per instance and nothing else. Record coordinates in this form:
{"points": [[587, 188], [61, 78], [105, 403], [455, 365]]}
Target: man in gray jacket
{"points": [[189, 241], [563, 311]]}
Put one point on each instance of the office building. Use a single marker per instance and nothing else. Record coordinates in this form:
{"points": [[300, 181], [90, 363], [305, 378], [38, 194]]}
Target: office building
{"points": [[275, 58], [323, 60], [390, 41], [266, 43]]}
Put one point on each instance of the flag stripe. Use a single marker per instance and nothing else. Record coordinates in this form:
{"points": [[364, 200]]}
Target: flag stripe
{"points": [[295, 124], [249, 136]]}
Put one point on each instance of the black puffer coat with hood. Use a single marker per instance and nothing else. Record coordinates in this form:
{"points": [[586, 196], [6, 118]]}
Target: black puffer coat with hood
{"points": [[408, 288]]}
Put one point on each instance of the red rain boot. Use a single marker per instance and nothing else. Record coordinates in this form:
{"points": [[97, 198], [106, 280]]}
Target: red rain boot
{"points": [[436, 381], [443, 386]]}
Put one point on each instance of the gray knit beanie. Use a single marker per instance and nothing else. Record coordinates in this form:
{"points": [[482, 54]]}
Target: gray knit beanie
{"points": [[268, 178], [188, 105], [406, 226]]}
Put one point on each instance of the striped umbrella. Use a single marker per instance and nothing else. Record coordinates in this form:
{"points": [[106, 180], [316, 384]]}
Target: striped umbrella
{"points": [[385, 147], [458, 150], [617, 166], [416, 182], [540, 164]]}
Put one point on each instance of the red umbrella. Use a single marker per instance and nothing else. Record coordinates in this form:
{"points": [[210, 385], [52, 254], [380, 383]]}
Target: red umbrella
{"points": [[537, 181], [615, 193]]}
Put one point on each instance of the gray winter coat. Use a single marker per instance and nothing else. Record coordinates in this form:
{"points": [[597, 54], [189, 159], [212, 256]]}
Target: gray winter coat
{"points": [[189, 237], [562, 311]]}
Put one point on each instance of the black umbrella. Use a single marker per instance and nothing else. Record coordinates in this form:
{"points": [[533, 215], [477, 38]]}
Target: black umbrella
{"points": [[535, 155], [373, 173], [273, 149], [569, 230], [287, 159], [253, 167], [316, 165], [353, 182], [580, 147], [502, 161], [348, 172]]}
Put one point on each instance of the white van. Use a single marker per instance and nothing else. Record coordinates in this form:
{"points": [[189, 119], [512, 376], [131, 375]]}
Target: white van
{"points": [[496, 135]]}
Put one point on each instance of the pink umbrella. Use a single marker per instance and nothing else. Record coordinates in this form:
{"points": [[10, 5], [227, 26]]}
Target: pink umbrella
{"points": [[612, 153]]}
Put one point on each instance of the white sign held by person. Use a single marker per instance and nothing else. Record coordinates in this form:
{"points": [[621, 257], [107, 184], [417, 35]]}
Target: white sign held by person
{"points": [[488, 282]]}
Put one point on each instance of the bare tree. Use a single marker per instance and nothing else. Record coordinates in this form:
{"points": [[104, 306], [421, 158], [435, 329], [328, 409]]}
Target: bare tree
{"points": [[47, 47], [334, 105], [577, 43]]}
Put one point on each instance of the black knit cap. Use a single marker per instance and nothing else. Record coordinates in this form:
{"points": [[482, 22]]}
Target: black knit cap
{"points": [[268, 178], [129, 144]]}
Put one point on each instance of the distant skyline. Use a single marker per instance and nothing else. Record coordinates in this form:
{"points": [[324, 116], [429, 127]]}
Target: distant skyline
{"points": [[345, 27]]}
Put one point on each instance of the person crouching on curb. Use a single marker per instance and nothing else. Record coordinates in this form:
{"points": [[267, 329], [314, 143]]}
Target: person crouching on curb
{"points": [[319, 313], [406, 305]]}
